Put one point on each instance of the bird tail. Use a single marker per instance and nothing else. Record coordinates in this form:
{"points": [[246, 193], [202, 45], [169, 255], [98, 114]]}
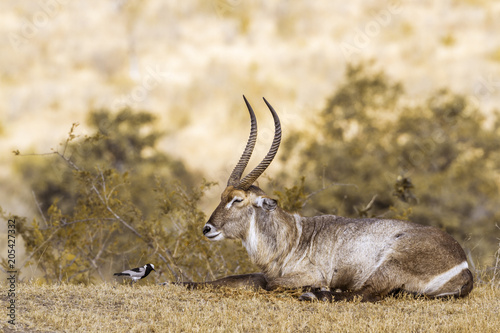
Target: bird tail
{"points": [[120, 274]]}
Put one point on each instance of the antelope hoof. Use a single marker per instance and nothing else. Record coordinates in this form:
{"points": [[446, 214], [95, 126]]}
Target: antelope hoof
{"points": [[308, 297]]}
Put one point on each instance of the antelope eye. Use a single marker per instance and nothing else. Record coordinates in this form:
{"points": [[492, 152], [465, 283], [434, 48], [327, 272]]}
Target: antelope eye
{"points": [[237, 200]]}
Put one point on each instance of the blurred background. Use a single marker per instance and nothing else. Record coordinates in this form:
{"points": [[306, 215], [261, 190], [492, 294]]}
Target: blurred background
{"points": [[388, 109]]}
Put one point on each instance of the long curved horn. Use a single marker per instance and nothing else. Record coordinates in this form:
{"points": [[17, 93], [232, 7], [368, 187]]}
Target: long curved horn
{"points": [[246, 182], [245, 157]]}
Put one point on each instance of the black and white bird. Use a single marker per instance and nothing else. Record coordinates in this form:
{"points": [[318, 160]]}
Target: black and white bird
{"points": [[137, 273]]}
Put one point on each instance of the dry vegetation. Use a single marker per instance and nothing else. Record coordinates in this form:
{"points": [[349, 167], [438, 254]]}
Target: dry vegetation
{"points": [[205, 54], [113, 307], [91, 54]]}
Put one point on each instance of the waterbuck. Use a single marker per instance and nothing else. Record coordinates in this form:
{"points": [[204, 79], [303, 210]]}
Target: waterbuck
{"points": [[336, 258]]}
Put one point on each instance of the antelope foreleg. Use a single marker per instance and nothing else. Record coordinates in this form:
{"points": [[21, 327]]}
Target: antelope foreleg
{"points": [[252, 281]]}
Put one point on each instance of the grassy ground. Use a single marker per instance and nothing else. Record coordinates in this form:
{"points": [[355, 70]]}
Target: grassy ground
{"points": [[151, 308]]}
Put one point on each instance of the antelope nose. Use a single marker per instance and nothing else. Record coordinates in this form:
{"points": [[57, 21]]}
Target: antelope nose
{"points": [[206, 229]]}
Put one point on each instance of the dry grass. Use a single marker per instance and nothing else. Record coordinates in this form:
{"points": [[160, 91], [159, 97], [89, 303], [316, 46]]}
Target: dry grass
{"points": [[151, 308]]}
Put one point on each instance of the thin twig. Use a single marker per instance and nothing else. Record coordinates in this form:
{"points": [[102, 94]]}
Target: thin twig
{"points": [[39, 209], [87, 220], [38, 248], [104, 200]]}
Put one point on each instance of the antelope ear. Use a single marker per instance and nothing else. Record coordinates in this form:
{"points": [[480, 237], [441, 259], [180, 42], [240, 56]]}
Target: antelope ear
{"points": [[266, 203]]}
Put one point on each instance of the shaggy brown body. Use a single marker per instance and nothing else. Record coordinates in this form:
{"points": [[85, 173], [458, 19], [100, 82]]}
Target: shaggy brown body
{"points": [[336, 257]]}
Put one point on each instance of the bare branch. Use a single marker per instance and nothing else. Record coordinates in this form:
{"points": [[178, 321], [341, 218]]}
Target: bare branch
{"points": [[38, 248], [39, 208]]}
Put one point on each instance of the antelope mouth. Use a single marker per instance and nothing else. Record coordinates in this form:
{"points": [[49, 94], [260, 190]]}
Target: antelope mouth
{"points": [[214, 236], [212, 233]]}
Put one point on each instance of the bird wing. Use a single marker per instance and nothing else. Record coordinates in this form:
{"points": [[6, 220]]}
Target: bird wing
{"points": [[134, 272], [138, 269]]}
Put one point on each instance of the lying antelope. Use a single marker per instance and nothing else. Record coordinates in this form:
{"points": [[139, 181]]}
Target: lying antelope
{"points": [[336, 258]]}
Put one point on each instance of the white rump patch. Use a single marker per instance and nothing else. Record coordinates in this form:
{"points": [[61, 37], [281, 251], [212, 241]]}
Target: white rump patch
{"points": [[445, 294], [442, 279]]}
